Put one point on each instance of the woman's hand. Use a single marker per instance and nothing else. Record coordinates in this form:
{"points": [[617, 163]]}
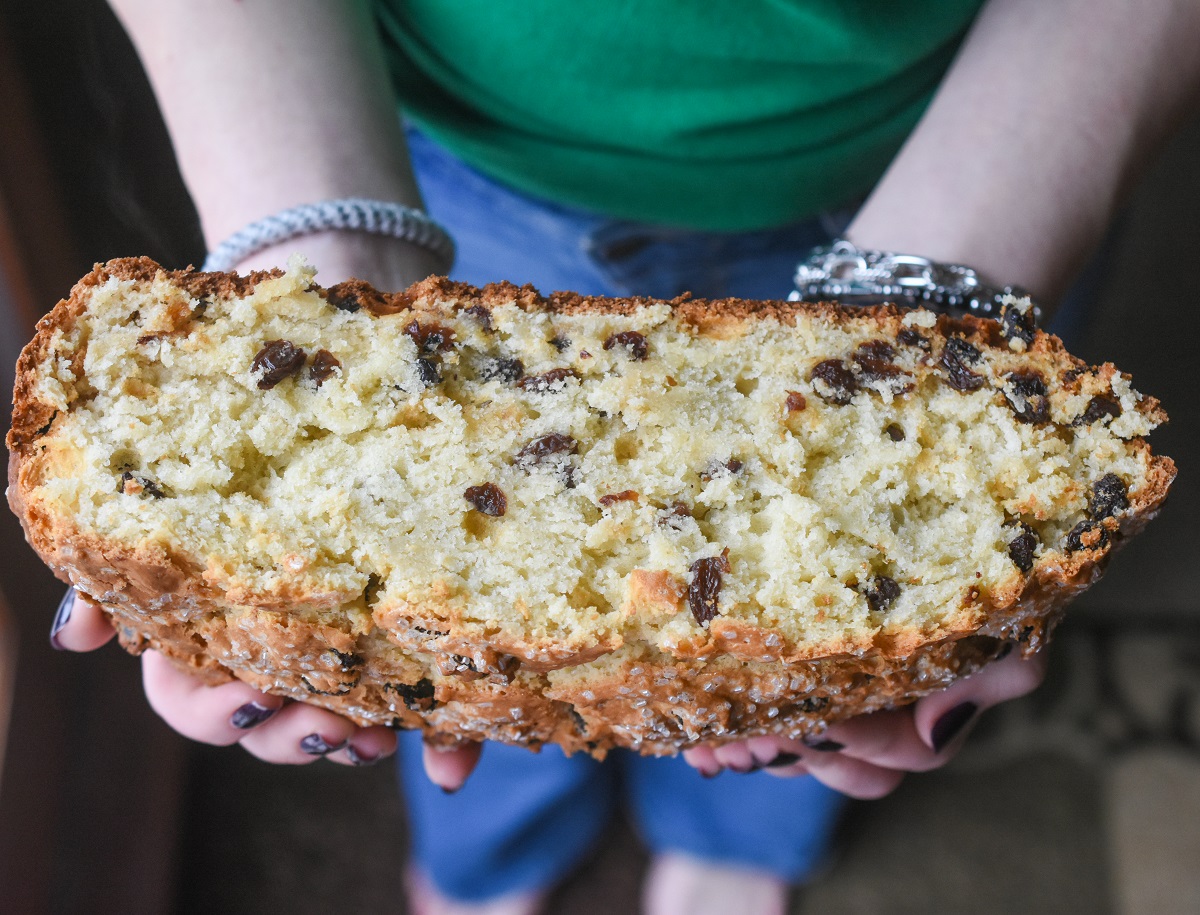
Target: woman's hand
{"points": [[268, 727], [868, 756]]}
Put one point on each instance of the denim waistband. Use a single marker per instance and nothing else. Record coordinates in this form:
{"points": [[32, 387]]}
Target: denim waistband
{"points": [[504, 234]]}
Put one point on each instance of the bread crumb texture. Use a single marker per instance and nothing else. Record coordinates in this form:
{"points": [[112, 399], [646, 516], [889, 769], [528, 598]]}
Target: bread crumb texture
{"points": [[594, 522]]}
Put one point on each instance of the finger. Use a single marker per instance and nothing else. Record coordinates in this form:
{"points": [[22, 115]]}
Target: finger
{"points": [[298, 735], [736, 757], [366, 747], [943, 718], [749, 755], [888, 739], [853, 777], [218, 715], [79, 624], [448, 769], [702, 759]]}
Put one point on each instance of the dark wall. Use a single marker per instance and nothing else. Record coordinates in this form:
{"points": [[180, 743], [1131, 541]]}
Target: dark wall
{"points": [[105, 142]]}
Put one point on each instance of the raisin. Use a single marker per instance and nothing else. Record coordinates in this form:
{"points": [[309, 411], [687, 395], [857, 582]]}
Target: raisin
{"points": [[1021, 547], [1087, 535], [430, 338], [276, 360], [508, 370], [732, 466], [812, 703], [428, 372], [874, 361], [894, 432], [1109, 496], [417, 697], [632, 339], [539, 384], [705, 586], [956, 355], [838, 380], [134, 484], [323, 365], [507, 665], [1097, 408], [626, 495], [539, 449], [795, 402], [487, 498], [910, 337], [875, 349], [562, 344], [1031, 404], [1015, 324], [480, 314], [672, 516], [348, 659], [883, 594], [577, 720], [343, 300]]}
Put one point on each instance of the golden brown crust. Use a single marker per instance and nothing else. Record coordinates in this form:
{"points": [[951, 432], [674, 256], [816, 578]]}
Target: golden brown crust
{"points": [[734, 680]]}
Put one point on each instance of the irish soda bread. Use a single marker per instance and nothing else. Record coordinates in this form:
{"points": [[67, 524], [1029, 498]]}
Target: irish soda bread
{"points": [[591, 522]]}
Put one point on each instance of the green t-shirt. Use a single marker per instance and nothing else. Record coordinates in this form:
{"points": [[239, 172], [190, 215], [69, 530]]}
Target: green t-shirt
{"points": [[710, 114]]}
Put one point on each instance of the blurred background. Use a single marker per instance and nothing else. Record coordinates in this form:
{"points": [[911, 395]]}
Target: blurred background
{"points": [[1082, 798]]}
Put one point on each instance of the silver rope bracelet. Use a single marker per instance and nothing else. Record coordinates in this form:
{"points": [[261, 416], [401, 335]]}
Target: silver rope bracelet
{"points": [[854, 276], [356, 214]]}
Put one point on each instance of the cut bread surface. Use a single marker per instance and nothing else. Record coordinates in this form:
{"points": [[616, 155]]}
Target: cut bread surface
{"points": [[497, 493]]}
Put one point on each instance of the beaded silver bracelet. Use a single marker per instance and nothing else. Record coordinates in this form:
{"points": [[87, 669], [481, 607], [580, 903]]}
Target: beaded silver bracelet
{"points": [[356, 214], [854, 276]]}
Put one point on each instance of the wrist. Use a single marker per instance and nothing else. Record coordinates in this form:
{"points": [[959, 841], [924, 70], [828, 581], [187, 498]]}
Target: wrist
{"points": [[386, 263]]}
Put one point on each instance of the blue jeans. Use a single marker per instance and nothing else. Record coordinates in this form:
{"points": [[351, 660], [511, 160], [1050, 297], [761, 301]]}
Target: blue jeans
{"points": [[524, 820]]}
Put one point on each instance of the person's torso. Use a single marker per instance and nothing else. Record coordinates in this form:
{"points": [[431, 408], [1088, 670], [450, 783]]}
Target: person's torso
{"points": [[726, 114]]}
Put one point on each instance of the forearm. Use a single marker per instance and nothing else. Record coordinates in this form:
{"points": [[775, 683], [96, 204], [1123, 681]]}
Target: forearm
{"points": [[274, 103], [1022, 157]]}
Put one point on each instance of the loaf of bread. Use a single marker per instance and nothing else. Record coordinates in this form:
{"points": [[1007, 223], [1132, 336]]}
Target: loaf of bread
{"points": [[592, 522]]}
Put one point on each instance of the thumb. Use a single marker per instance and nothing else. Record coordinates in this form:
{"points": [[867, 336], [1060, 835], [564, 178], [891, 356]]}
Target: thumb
{"points": [[943, 717]]}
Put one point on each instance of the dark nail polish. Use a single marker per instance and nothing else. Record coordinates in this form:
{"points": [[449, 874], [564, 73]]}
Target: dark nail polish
{"points": [[783, 760], [950, 725], [360, 759], [825, 746], [250, 715], [316, 745], [713, 773], [61, 617], [446, 790]]}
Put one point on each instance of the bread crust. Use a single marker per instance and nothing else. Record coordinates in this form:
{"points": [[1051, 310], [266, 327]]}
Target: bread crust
{"points": [[733, 681]]}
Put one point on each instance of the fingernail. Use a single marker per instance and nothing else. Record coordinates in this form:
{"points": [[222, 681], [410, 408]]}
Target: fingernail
{"points": [[784, 759], [446, 790], [360, 759], [250, 715], [741, 770], [316, 745], [950, 725], [711, 773], [62, 617], [825, 746]]}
